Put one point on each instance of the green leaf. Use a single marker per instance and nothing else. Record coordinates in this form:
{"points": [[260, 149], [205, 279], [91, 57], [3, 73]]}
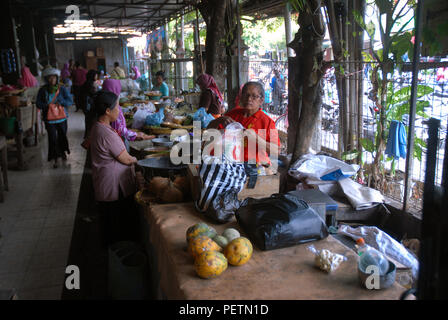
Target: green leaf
{"points": [[419, 145], [359, 19], [397, 111], [370, 28], [404, 94], [367, 144]]}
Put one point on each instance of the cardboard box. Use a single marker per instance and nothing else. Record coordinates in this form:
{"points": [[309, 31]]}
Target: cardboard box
{"points": [[90, 53], [265, 186], [99, 52]]}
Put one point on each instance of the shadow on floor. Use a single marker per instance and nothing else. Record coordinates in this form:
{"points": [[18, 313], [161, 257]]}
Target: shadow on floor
{"points": [[85, 248]]}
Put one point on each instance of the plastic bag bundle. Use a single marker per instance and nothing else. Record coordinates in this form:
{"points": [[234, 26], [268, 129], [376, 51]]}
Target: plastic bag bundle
{"points": [[326, 260], [221, 181], [155, 119], [384, 243], [139, 118], [223, 206], [203, 116], [322, 167], [280, 221], [233, 142]]}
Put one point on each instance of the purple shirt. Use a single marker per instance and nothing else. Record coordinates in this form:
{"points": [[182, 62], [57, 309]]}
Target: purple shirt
{"points": [[109, 175], [120, 126]]}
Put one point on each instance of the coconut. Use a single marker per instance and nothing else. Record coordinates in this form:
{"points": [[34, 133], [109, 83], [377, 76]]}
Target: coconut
{"points": [[157, 184], [171, 194], [182, 183]]}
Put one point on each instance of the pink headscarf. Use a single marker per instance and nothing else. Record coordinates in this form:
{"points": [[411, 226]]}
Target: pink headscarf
{"points": [[27, 79], [137, 73], [65, 72], [207, 81], [112, 85]]}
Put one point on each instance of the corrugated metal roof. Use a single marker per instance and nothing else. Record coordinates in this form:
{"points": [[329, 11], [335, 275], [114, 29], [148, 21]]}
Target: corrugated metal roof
{"points": [[143, 15]]}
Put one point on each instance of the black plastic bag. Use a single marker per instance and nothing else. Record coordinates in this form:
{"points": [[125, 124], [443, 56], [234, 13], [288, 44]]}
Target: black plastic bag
{"points": [[280, 221], [223, 206]]}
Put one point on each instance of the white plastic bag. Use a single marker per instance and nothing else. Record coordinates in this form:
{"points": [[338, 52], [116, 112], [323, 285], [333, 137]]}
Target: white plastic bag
{"points": [[140, 118], [322, 168], [326, 260], [384, 243], [233, 142]]}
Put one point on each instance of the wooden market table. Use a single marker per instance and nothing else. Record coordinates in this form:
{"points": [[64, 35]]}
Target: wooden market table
{"points": [[282, 274]]}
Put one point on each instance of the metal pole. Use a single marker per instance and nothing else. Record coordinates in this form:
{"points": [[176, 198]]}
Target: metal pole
{"points": [[413, 102], [429, 273]]}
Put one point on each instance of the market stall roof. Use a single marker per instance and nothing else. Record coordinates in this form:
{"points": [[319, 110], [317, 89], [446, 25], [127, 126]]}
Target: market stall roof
{"points": [[143, 15], [263, 9]]}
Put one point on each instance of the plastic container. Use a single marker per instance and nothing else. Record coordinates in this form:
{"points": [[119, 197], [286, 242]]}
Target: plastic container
{"points": [[369, 256], [127, 272]]}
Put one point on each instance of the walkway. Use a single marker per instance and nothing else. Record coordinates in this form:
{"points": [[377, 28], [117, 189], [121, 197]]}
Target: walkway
{"points": [[37, 219]]}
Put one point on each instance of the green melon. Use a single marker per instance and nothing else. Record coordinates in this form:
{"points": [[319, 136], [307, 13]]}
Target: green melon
{"points": [[231, 234], [200, 229], [221, 241]]}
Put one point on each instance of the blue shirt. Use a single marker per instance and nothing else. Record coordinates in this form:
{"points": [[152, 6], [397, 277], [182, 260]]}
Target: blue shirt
{"points": [[64, 98], [163, 88]]}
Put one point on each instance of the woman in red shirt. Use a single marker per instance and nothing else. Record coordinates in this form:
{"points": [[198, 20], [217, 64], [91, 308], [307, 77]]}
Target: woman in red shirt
{"points": [[251, 116]]}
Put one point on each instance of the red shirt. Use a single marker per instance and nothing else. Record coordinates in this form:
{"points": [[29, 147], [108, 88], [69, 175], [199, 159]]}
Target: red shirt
{"points": [[263, 126]]}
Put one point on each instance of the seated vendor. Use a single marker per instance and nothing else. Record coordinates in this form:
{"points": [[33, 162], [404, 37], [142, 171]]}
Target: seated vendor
{"points": [[160, 86], [119, 125], [211, 98], [251, 116], [112, 173]]}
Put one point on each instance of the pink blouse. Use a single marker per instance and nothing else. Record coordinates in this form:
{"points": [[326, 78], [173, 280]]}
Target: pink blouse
{"points": [[120, 126], [109, 175]]}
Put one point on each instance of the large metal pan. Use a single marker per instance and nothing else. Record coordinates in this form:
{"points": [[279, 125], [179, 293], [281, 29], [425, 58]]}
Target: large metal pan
{"points": [[161, 166]]}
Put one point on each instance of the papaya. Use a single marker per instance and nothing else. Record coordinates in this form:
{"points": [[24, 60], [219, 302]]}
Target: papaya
{"points": [[210, 264], [238, 251], [200, 244], [200, 229]]}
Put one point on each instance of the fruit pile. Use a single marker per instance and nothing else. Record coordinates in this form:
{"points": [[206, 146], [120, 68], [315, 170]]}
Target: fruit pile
{"points": [[212, 252]]}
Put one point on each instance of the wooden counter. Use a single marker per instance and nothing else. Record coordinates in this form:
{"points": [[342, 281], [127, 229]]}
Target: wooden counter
{"points": [[282, 274]]}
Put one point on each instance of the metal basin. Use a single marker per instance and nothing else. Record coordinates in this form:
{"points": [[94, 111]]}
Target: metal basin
{"points": [[162, 142], [386, 280]]}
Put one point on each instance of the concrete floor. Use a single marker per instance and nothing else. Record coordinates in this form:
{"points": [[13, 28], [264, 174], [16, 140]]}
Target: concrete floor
{"points": [[38, 216]]}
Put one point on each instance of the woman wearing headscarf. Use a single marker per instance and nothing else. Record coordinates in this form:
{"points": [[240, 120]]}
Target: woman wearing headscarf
{"points": [[88, 89], [27, 80], [113, 173], [114, 86], [211, 98], [57, 129], [65, 76], [136, 74]]}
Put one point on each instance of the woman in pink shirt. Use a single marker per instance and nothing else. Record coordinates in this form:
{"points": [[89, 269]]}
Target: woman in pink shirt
{"points": [[113, 173]]}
